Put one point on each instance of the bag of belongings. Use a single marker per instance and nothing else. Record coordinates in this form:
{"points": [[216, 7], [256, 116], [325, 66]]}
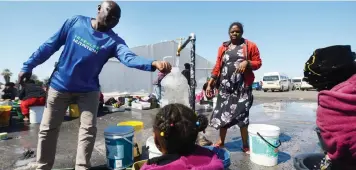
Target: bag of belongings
{"points": [[326, 67]]}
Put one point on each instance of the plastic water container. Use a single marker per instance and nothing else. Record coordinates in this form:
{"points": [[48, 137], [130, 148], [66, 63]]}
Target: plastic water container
{"points": [[152, 149], [119, 146], [138, 138], [113, 109], [264, 142], [5, 115], [175, 88], [74, 111], [36, 113], [3, 136]]}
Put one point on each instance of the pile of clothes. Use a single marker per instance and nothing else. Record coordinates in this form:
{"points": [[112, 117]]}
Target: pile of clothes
{"points": [[149, 102]]}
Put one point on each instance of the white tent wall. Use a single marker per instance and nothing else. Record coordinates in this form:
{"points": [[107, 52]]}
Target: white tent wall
{"points": [[115, 77]]}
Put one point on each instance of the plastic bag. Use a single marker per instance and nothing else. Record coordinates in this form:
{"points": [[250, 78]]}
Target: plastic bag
{"points": [[175, 88]]}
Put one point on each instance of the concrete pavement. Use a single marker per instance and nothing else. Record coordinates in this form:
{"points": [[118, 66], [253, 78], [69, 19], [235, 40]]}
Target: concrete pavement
{"points": [[293, 112]]}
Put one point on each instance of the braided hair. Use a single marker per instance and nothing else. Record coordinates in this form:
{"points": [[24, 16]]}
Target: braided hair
{"points": [[176, 127]]}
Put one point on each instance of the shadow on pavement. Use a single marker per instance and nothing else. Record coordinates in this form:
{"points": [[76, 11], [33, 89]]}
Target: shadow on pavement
{"points": [[16, 126], [284, 137], [283, 157]]}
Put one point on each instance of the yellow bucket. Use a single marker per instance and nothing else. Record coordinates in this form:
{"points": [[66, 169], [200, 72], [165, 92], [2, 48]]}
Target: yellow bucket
{"points": [[5, 116], [138, 125], [74, 110], [5, 108]]}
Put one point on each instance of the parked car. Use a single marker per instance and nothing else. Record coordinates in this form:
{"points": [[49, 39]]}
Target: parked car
{"points": [[275, 81], [291, 85], [305, 86], [297, 82]]}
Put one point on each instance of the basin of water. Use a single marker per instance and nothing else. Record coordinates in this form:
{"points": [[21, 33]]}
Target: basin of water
{"points": [[309, 161]]}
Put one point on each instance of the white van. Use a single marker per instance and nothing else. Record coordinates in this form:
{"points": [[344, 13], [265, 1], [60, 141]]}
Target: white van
{"points": [[275, 81], [305, 86], [297, 81]]}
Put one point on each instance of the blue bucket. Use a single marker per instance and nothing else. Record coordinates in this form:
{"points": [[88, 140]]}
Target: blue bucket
{"points": [[119, 146], [223, 155]]}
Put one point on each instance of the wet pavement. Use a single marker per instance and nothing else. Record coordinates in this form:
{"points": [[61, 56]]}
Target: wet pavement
{"points": [[295, 118]]}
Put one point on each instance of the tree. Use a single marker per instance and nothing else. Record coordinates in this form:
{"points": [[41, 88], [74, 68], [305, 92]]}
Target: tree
{"points": [[6, 73], [39, 82], [45, 81], [34, 77]]}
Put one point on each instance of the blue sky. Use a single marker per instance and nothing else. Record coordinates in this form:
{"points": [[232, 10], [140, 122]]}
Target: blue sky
{"points": [[285, 32]]}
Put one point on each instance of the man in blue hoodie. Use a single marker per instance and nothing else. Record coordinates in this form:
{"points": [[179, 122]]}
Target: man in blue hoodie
{"points": [[88, 45]]}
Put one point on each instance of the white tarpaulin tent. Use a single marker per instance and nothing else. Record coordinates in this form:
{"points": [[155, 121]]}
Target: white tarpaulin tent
{"points": [[116, 77]]}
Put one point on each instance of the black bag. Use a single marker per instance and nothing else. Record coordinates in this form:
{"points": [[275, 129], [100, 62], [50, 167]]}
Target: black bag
{"points": [[110, 101]]}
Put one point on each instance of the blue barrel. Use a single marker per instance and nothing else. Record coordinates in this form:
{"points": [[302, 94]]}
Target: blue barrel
{"points": [[119, 146]]}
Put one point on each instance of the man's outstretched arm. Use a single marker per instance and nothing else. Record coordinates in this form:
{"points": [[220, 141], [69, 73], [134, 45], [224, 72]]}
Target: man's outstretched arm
{"points": [[130, 59], [47, 49]]}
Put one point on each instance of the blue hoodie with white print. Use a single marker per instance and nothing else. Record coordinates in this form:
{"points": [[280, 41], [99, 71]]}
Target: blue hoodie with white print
{"points": [[84, 55]]}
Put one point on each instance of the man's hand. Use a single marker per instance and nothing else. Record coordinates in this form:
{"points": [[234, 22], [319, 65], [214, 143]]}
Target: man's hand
{"points": [[22, 76], [162, 66], [242, 67]]}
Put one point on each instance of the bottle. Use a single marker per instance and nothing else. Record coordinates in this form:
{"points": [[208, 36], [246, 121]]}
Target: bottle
{"points": [[174, 88]]}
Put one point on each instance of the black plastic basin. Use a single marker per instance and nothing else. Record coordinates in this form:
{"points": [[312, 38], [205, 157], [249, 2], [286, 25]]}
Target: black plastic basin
{"points": [[309, 161]]}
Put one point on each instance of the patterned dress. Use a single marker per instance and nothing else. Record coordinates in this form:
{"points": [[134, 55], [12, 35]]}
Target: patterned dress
{"points": [[234, 99]]}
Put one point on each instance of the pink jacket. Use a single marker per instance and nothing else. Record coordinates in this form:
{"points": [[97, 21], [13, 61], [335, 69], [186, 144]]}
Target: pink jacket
{"points": [[201, 159], [336, 118]]}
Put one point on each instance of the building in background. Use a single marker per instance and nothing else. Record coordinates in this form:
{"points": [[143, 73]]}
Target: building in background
{"points": [[115, 77]]}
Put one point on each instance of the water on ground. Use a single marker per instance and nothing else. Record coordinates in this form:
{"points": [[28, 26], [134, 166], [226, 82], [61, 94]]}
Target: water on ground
{"points": [[296, 120]]}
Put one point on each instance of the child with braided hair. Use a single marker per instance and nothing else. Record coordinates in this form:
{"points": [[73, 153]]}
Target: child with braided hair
{"points": [[175, 129]]}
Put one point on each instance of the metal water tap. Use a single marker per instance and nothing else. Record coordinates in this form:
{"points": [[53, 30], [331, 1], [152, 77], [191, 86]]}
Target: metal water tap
{"points": [[192, 40], [180, 42]]}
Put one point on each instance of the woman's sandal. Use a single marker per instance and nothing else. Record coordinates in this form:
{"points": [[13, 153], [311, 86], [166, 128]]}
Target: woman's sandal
{"points": [[219, 145], [246, 150]]}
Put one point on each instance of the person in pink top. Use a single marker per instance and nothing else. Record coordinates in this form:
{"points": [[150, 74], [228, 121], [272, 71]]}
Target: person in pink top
{"points": [[175, 130], [332, 71], [157, 84]]}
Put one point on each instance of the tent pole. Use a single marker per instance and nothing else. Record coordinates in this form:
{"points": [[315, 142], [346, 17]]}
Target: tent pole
{"points": [[192, 71]]}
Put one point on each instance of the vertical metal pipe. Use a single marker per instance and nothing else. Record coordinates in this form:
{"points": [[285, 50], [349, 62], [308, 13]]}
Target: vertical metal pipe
{"points": [[192, 71]]}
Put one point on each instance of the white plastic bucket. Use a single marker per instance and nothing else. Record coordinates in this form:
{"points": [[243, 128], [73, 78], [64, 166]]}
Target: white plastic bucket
{"points": [[36, 113], [264, 142], [152, 149]]}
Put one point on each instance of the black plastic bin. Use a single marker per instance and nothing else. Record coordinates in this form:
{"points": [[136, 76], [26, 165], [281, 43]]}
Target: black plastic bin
{"points": [[308, 161], [311, 161]]}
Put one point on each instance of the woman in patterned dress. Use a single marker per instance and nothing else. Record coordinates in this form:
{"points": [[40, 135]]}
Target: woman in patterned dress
{"points": [[233, 76]]}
